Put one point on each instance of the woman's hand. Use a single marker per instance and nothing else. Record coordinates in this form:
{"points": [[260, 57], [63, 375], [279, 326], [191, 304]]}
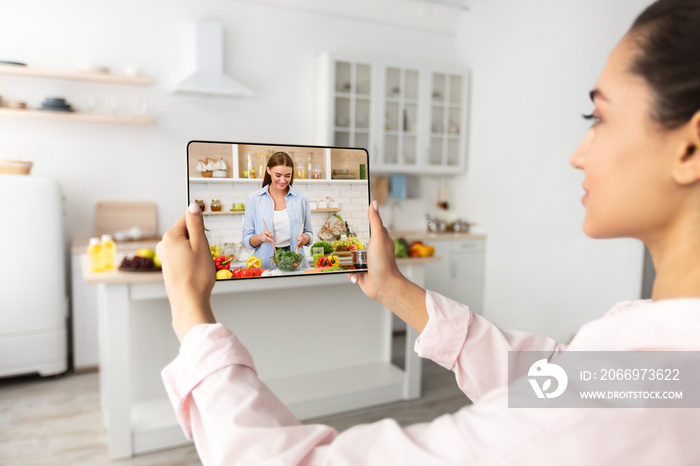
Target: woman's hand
{"points": [[382, 269], [302, 240], [383, 281], [266, 237], [188, 271]]}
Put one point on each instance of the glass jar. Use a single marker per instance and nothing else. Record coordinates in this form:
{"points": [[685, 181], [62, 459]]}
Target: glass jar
{"points": [[300, 171], [215, 205], [316, 173], [261, 158], [230, 250], [201, 204]]}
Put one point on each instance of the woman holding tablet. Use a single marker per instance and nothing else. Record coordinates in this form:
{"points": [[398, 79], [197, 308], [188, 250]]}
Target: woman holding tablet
{"points": [[641, 164], [277, 216]]}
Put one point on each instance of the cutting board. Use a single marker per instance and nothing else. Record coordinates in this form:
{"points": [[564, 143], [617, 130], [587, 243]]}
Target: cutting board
{"points": [[111, 216], [380, 189]]}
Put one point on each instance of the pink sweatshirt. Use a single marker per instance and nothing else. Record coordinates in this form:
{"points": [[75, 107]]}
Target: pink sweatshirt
{"points": [[235, 419]]}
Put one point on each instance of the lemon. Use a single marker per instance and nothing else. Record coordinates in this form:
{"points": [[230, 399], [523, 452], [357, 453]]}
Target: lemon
{"points": [[253, 262], [156, 261], [224, 274], [147, 253]]}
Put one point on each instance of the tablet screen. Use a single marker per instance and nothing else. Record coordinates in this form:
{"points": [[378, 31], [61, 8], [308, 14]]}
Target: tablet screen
{"points": [[281, 210]]}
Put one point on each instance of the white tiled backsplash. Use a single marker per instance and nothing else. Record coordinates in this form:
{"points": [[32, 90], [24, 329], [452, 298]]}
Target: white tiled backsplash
{"points": [[352, 198]]}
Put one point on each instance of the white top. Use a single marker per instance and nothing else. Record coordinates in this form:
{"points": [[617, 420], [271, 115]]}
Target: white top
{"points": [[280, 228]]}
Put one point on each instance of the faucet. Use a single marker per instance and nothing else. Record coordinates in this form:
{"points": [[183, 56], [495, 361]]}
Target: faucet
{"points": [[392, 222]]}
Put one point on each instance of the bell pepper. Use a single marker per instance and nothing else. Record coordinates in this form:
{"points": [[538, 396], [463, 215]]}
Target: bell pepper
{"points": [[327, 261], [223, 262]]}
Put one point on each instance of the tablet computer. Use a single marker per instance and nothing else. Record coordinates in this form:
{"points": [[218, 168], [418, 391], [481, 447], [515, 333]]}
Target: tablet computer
{"points": [[274, 210]]}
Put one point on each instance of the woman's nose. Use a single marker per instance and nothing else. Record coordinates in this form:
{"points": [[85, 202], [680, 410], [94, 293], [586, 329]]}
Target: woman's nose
{"points": [[579, 156]]}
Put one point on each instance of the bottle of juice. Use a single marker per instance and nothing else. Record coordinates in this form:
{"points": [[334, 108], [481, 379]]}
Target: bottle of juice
{"points": [[95, 256], [109, 251]]}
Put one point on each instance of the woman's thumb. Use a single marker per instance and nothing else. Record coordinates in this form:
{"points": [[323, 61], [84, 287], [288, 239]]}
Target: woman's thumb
{"points": [[195, 227]]}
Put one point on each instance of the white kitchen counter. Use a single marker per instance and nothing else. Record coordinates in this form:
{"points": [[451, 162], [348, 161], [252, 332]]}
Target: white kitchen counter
{"points": [[414, 235], [320, 344]]}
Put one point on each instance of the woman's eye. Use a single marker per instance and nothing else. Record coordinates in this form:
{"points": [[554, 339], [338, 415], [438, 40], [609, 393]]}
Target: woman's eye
{"points": [[591, 117]]}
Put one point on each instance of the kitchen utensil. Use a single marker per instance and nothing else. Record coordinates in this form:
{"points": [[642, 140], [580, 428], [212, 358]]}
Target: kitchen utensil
{"points": [[273, 244], [17, 104], [460, 226], [300, 233], [15, 167], [381, 189], [12, 63], [359, 258], [112, 216], [56, 104], [436, 225]]}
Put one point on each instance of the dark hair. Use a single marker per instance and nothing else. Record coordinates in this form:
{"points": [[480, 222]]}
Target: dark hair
{"points": [[668, 36], [278, 158]]}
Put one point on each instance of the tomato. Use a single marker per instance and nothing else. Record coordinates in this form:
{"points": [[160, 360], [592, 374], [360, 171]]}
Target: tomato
{"points": [[237, 272], [256, 271], [245, 273]]}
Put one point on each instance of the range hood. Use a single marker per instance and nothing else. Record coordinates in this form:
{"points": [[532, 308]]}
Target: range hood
{"points": [[209, 78]]}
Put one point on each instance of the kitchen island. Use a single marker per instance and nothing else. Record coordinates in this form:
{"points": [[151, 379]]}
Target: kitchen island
{"points": [[318, 342]]}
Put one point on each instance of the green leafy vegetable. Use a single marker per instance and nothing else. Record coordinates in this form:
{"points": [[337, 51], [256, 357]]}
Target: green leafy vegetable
{"points": [[287, 260], [327, 247], [400, 248]]}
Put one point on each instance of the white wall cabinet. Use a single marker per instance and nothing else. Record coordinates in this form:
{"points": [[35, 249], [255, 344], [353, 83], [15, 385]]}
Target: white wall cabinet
{"points": [[411, 119], [460, 274]]}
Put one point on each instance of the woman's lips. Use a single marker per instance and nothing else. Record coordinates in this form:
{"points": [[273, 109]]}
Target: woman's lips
{"points": [[585, 196]]}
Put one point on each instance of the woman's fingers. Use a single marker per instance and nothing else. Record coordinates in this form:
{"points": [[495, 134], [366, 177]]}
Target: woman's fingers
{"points": [[375, 221], [195, 228]]}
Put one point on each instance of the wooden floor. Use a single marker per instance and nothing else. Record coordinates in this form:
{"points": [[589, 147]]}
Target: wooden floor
{"points": [[57, 420]]}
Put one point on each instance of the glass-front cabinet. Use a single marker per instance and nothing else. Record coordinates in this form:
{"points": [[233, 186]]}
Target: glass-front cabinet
{"points": [[447, 115], [352, 104], [411, 119], [401, 112]]}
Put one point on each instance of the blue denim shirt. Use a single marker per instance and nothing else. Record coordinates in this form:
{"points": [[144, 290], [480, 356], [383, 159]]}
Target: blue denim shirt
{"points": [[260, 206]]}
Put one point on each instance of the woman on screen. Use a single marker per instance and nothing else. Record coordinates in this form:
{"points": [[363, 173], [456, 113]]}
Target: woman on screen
{"points": [[277, 216]]}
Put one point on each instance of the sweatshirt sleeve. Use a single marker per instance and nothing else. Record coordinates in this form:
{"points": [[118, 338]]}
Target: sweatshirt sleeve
{"points": [[474, 348], [235, 419]]}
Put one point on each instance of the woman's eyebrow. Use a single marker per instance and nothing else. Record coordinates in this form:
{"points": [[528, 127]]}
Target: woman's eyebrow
{"points": [[597, 93]]}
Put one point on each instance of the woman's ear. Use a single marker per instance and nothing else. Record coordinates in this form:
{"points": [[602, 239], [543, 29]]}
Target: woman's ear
{"points": [[686, 162], [268, 171]]}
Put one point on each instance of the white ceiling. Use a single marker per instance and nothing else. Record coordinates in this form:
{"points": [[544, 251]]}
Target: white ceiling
{"points": [[436, 16]]}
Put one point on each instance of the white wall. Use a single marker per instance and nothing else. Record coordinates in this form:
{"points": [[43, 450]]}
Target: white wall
{"points": [[533, 64], [267, 48]]}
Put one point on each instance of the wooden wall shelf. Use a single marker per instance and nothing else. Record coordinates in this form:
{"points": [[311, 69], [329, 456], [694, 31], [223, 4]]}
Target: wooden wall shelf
{"points": [[76, 116], [75, 75]]}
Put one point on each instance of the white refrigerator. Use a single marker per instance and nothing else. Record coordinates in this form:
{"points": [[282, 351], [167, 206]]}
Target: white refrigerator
{"points": [[33, 298]]}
